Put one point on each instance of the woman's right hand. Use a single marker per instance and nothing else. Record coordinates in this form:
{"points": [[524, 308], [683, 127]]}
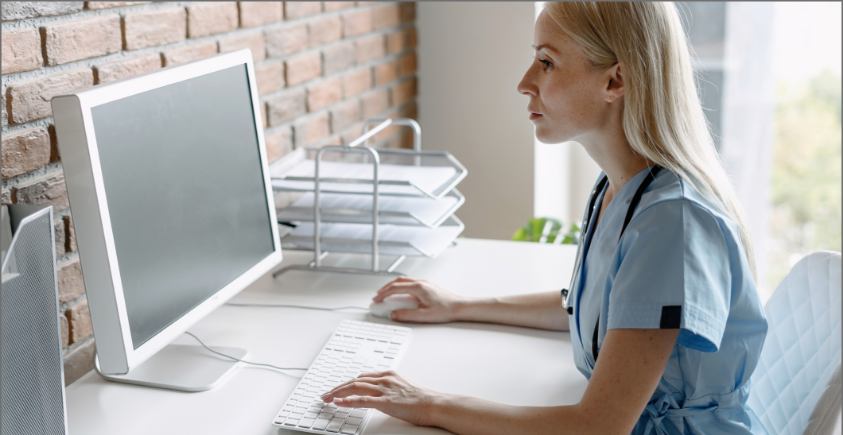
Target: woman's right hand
{"points": [[436, 305]]}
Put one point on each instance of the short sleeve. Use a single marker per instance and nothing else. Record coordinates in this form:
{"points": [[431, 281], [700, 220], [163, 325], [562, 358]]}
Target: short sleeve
{"points": [[672, 271]]}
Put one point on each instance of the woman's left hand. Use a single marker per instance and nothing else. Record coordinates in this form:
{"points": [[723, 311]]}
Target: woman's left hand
{"points": [[387, 392]]}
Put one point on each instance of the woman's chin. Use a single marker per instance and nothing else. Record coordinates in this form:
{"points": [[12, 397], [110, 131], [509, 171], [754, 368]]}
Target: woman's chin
{"points": [[548, 138]]}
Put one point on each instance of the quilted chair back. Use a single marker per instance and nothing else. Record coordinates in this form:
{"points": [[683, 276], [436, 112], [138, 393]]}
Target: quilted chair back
{"points": [[802, 348]]}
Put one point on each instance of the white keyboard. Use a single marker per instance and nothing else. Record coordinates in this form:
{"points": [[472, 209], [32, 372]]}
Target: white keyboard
{"points": [[354, 348]]}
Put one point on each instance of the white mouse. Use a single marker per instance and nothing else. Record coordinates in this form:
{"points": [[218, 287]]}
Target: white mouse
{"points": [[392, 303]]}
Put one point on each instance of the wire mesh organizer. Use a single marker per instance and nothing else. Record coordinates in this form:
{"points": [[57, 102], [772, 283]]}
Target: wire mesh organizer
{"points": [[32, 399], [394, 202]]}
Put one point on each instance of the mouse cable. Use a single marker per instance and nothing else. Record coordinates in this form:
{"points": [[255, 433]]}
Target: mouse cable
{"points": [[243, 361], [295, 306]]}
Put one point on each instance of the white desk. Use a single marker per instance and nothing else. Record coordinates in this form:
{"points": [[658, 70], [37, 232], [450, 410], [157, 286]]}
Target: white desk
{"points": [[500, 363]]}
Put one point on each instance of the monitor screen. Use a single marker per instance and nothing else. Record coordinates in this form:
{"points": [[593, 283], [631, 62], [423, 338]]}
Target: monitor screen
{"points": [[185, 191]]}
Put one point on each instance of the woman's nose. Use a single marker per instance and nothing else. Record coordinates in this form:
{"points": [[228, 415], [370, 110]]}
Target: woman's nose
{"points": [[526, 86]]}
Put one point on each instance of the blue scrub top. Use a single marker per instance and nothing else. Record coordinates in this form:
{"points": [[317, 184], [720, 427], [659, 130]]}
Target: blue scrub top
{"points": [[680, 264]]}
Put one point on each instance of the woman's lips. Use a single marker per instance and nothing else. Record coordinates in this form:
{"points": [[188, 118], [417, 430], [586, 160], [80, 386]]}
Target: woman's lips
{"points": [[534, 115]]}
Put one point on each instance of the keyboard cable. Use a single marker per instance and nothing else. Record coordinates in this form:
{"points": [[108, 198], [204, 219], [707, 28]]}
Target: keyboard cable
{"points": [[295, 306], [244, 361], [270, 306]]}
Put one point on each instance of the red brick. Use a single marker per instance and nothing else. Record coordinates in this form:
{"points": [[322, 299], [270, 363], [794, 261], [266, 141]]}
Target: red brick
{"points": [[106, 5], [323, 94], [353, 133], [260, 13], [408, 12], [60, 237], [355, 82], [147, 29], [303, 67], [79, 361], [15, 10], [211, 18], [369, 48], [287, 40], [65, 338], [81, 39], [71, 283], [338, 57], [404, 91], [21, 51], [79, 318], [357, 22], [71, 234], [48, 189], [335, 6], [31, 100], [396, 41], [269, 77], [412, 38], [24, 151], [385, 72], [286, 107], [312, 129], [252, 41], [345, 114], [410, 110], [111, 71], [54, 145], [407, 64], [279, 143], [374, 103], [324, 30], [189, 53], [5, 113], [298, 9], [386, 16]]}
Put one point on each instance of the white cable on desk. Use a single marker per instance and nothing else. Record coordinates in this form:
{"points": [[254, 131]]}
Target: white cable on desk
{"points": [[242, 361], [270, 306], [296, 306]]}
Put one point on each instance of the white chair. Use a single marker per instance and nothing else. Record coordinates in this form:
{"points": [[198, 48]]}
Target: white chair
{"points": [[796, 388]]}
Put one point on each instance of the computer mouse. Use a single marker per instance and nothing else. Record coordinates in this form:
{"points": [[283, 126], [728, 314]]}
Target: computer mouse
{"points": [[392, 303]]}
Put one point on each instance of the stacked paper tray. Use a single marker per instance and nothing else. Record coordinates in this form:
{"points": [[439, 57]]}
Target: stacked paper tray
{"points": [[357, 208], [393, 239], [401, 173]]}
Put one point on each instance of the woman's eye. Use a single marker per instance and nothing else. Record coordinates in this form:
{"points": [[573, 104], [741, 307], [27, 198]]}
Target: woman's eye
{"points": [[546, 63]]}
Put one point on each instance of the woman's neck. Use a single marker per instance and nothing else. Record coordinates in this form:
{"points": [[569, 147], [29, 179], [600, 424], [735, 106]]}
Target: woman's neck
{"points": [[615, 156]]}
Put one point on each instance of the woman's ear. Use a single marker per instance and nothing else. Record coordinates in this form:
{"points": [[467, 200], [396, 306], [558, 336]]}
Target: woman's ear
{"points": [[614, 88]]}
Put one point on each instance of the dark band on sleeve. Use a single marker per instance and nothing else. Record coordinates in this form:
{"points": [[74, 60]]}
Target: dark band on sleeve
{"points": [[671, 317]]}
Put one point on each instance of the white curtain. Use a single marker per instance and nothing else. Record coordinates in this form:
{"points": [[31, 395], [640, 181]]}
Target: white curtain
{"points": [[748, 115]]}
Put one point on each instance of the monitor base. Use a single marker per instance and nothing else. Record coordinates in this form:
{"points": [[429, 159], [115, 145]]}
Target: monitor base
{"points": [[181, 367]]}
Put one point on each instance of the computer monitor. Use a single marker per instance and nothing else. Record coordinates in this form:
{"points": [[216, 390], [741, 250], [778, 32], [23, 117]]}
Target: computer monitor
{"points": [[169, 187]]}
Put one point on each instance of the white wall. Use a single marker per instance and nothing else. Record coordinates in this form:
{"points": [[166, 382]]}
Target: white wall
{"points": [[471, 57]]}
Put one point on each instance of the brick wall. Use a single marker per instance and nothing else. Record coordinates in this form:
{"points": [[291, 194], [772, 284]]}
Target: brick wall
{"points": [[321, 69]]}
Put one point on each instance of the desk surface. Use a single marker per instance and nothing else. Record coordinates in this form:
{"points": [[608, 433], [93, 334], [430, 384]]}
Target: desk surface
{"points": [[512, 365]]}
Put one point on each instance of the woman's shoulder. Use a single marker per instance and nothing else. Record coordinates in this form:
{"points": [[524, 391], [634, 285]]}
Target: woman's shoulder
{"points": [[672, 201], [669, 189]]}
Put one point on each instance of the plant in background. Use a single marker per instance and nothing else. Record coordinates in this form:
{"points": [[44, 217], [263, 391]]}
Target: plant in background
{"points": [[547, 230], [806, 214]]}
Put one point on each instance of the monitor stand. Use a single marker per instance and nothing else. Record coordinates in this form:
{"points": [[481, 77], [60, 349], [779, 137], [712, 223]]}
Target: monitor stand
{"points": [[181, 367]]}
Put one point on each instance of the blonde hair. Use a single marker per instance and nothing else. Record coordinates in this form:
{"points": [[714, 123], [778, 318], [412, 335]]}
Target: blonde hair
{"points": [[662, 115]]}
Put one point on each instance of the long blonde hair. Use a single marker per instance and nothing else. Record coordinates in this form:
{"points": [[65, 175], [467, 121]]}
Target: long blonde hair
{"points": [[663, 118]]}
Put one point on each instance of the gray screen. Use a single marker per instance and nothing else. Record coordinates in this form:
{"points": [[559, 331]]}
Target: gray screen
{"points": [[185, 192]]}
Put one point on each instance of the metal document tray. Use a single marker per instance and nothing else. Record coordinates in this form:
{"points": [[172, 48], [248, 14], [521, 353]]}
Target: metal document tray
{"points": [[402, 173], [392, 239], [357, 208]]}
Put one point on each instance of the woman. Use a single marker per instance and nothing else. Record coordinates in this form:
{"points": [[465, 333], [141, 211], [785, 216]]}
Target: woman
{"points": [[664, 317]]}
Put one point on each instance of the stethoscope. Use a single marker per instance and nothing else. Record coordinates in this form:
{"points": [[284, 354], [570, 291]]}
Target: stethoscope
{"points": [[566, 294]]}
